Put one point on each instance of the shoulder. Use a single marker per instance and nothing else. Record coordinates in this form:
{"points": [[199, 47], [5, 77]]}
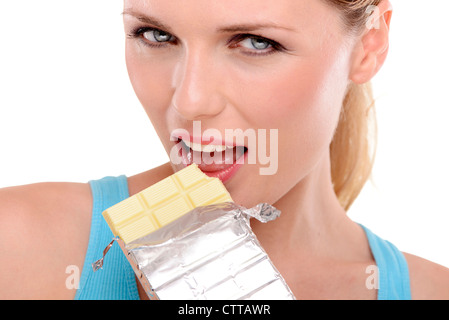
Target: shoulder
{"points": [[143, 180], [44, 228], [428, 280]]}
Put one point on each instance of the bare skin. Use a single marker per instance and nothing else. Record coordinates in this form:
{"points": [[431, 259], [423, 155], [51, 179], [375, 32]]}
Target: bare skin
{"points": [[35, 267], [321, 253]]}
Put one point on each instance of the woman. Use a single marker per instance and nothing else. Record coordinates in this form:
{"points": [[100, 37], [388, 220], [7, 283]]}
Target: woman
{"points": [[296, 69]]}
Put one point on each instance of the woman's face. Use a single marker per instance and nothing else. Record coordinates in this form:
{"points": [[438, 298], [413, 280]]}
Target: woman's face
{"points": [[278, 68]]}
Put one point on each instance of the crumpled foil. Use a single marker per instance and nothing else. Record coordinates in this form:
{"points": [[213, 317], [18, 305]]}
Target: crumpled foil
{"points": [[209, 253]]}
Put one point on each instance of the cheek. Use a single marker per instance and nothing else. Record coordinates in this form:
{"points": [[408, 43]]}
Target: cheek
{"points": [[150, 79], [303, 102]]}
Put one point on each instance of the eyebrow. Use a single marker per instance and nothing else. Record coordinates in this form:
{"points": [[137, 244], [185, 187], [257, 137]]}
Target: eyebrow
{"points": [[148, 20], [237, 28], [251, 27]]}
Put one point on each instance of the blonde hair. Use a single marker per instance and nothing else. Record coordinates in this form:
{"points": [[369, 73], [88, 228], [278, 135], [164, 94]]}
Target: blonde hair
{"points": [[353, 147]]}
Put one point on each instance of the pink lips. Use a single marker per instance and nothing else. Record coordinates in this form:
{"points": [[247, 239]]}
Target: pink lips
{"points": [[223, 165]]}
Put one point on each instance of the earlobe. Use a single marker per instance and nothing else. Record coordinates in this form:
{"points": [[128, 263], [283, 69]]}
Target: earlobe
{"points": [[371, 49]]}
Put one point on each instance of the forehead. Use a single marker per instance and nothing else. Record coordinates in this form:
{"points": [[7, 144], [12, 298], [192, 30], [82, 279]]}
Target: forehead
{"points": [[297, 14]]}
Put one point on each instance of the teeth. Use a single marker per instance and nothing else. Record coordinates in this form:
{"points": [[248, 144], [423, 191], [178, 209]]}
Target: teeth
{"points": [[206, 148]]}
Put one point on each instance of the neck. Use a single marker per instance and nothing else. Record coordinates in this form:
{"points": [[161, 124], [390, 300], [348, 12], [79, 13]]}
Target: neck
{"points": [[311, 217]]}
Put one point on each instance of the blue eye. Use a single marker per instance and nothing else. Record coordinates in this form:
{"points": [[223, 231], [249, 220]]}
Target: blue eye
{"points": [[255, 43], [155, 35], [152, 37]]}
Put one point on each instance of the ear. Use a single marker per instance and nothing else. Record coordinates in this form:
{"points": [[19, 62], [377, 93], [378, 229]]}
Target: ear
{"points": [[371, 48]]}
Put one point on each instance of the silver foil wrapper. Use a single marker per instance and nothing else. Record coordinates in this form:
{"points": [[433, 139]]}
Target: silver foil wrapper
{"points": [[210, 253]]}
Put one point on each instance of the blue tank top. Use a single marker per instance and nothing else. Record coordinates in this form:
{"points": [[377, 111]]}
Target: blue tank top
{"points": [[116, 280]]}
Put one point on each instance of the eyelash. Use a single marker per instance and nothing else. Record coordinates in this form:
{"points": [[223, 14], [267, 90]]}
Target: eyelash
{"points": [[274, 46], [139, 34]]}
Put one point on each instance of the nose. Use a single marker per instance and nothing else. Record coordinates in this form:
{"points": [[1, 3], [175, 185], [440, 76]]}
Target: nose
{"points": [[196, 81]]}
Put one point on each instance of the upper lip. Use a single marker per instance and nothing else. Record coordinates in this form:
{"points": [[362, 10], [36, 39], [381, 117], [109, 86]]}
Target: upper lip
{"points": [[212, 141]]}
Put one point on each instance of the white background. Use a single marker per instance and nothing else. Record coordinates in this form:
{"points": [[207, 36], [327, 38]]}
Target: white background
{"points": [[68, 112]]}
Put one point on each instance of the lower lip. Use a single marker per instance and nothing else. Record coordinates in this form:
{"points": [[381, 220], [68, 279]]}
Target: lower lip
{"points": [[225, 174]]}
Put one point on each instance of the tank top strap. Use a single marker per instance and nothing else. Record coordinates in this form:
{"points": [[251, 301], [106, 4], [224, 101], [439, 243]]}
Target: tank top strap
{"points": [[115, 281], [394, 280]]}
